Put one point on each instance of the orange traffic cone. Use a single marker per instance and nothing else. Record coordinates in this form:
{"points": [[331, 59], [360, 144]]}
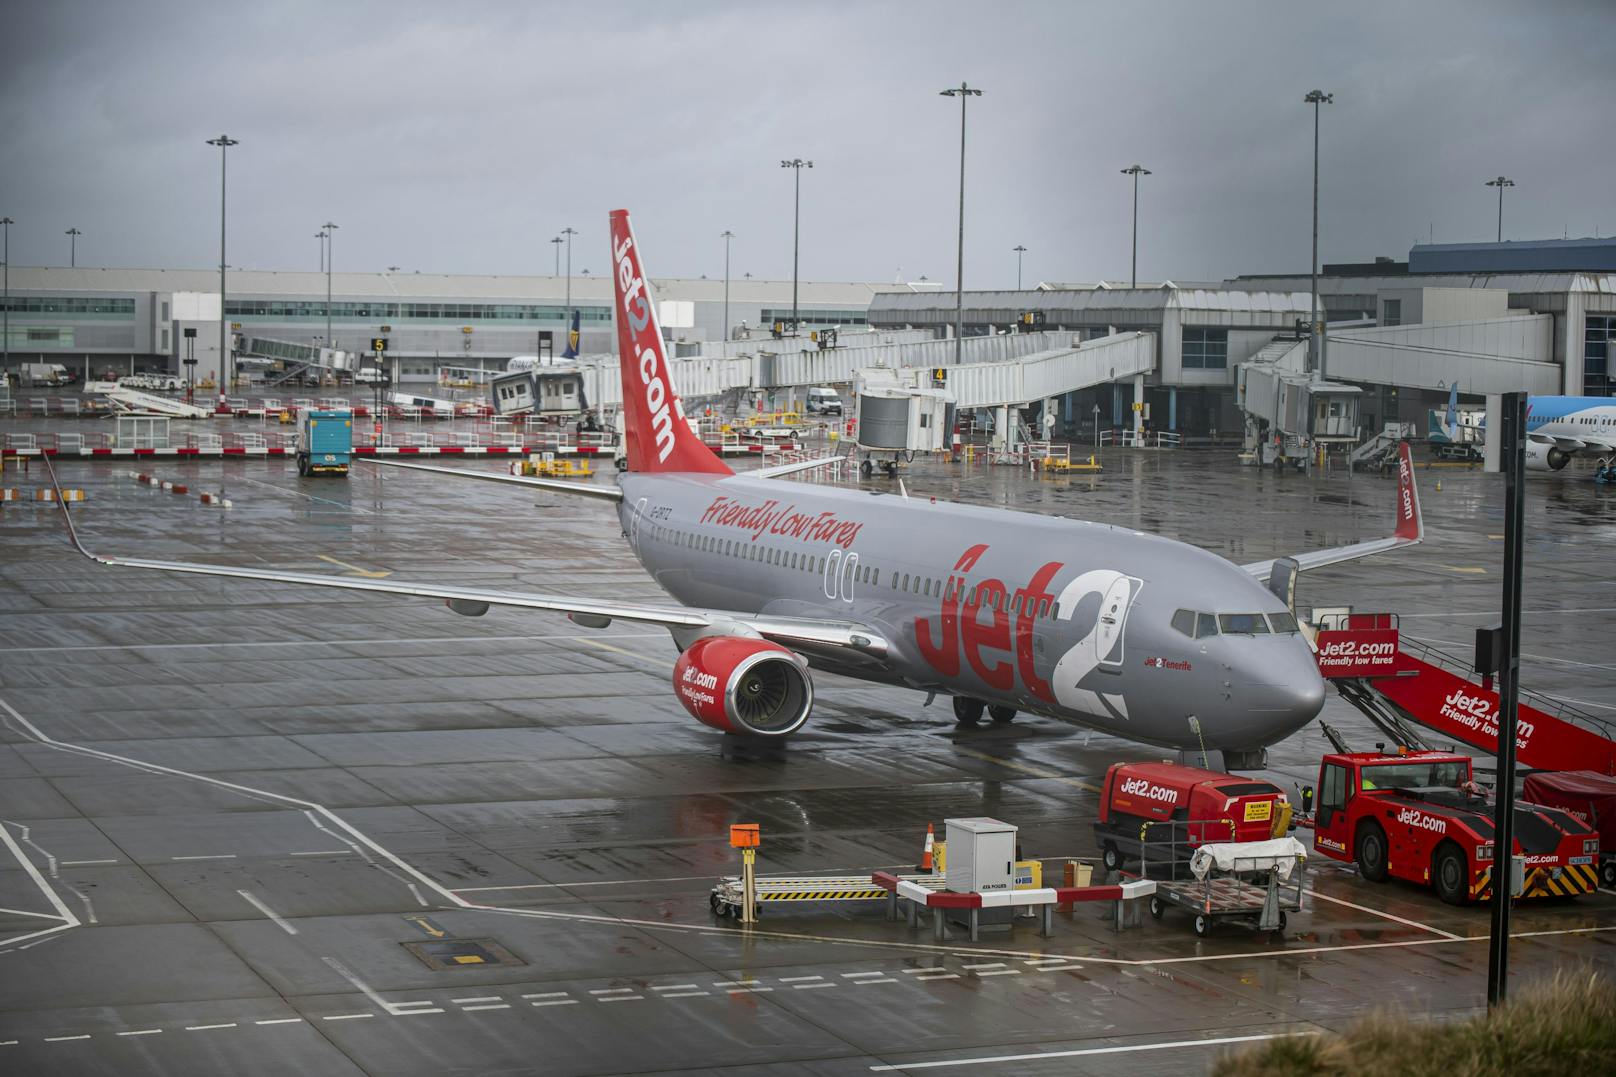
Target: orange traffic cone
{"points": [[925, 855]]}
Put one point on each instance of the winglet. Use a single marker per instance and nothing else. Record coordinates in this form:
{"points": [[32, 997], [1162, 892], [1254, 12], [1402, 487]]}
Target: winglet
{"points": [[1410, 523]]}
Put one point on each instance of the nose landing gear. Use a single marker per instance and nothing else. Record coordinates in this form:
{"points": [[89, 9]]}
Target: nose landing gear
{"points": [[968, 711]]}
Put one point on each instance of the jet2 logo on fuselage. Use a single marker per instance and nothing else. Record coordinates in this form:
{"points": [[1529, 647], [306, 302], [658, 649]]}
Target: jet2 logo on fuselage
{"points": [[954, 635]]}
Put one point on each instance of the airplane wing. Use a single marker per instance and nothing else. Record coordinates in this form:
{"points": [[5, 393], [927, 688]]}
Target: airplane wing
{"points": [[1558, 441], [1410, 529], [604, 493], [777, 470], [846, 639]]}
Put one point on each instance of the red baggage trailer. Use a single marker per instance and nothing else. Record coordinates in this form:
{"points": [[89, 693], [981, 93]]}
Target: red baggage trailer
{"points": [[1591, 797]]}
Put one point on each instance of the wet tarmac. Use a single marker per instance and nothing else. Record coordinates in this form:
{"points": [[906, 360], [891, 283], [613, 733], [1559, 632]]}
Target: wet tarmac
{"points": [[249, 828]]}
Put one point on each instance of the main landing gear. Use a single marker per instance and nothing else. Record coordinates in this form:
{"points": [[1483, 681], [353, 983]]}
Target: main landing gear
{"points": [[968, 711]]}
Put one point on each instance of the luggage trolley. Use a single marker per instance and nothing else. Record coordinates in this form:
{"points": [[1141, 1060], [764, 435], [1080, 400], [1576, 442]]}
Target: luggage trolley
{"points": [[1253, 883]]}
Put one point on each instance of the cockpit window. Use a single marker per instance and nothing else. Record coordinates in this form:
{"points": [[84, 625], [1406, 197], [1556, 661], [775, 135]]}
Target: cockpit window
{"points": [[1184, 621], [1282, 622], [1243, 624], [1205, 625]]}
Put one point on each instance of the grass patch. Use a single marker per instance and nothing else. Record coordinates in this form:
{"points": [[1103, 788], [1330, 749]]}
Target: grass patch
{"points": [[1562, 1026]]}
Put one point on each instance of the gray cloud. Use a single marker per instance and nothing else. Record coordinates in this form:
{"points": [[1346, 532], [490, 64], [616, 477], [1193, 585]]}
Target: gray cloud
{"points": [[460, 138]]}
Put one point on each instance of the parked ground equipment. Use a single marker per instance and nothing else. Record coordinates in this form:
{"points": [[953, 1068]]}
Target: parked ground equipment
{"points": [[1419, 816], [1213, 806], [1591, 797], [1253, 883], [324, 442]]}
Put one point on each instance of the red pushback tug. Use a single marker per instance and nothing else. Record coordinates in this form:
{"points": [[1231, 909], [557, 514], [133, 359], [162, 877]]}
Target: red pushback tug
{"points": [[1203, 806], [1420, 816]]}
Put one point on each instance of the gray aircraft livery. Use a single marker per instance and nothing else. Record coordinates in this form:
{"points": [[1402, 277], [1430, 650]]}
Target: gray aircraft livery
{"points": [[1136, 635]]}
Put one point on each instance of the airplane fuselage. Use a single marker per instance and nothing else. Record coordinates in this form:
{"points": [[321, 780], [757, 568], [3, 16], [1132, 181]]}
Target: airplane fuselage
{"points": [[1056, 617]]}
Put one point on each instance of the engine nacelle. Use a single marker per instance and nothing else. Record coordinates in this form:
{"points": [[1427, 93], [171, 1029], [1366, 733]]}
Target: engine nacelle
{"points": [[740, 685], [1541, 457]]}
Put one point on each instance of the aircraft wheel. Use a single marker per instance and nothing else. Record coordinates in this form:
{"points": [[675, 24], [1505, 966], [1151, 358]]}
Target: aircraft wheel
{"points": [[1449, 876], [867, 469], [1202, 925], [1002, 715], [1371, 844], [1111, 857], [1156, 907], [967, 711]]}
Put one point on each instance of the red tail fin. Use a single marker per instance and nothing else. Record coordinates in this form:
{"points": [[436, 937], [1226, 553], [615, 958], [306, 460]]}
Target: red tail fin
{"points": [[659, 438]]}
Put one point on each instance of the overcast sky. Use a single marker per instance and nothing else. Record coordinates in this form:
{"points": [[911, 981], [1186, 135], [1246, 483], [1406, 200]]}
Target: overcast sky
{"points": [[460, 137]]}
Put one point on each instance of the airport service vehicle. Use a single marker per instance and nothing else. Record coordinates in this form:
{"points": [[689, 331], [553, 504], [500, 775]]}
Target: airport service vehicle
{"points": [[824, 402], [1137, 635], [37, 374], [1143, 802], [1253, 883], [324, 442], [1591, 797], [1420, 817]]}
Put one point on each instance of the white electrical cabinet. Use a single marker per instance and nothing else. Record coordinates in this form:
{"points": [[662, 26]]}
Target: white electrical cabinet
{"points": [[981, 855]]}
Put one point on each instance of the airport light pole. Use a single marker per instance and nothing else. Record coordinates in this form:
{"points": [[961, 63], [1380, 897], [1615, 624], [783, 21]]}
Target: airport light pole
{"points": [[1020, 250], [72, 235], [5, 334], [796, 164], [1316, 98], [224, 142], [567, 318], [556, 243], [728, 235], [330, 257], [1500, 183], [964, 92], [1135, 171], [320, 235]]}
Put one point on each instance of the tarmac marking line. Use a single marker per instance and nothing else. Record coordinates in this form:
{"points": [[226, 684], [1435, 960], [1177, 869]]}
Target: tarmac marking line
{"points": [[1383, 915], [810, 987], [1057, 968], [913, 972], [547, 994], [1000, 972], [205, 1028], [794, 979], [557, 1002], [141, 1032], [65, 1039], [411, 1013], [346, 1016], [281, 1021], [324, 852], [474, 1009], [481, 998], [267, 911], [1127, 1049], [938, 976], [77, 863], [214, 856], [692, 994], [355, 569], [677, 987], [860, 975]]}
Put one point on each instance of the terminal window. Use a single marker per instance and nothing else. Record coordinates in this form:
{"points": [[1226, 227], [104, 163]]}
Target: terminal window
{"points": [[1391, 312], [1206, 349]]}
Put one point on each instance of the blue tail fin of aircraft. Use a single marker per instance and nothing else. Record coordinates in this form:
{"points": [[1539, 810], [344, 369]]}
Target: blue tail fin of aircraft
{"points": [[572, 339]]}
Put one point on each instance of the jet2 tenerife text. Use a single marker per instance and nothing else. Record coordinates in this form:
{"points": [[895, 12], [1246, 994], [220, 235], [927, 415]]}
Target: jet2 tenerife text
{"points": [[1133, 634]]}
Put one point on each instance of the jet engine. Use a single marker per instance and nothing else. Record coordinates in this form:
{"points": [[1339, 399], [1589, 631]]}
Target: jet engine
{"points": [[1541, 457], [747, 686]]}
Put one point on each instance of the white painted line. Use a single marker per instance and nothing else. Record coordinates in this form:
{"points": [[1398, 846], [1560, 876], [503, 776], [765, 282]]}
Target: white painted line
{"points": [[77, 863], [65, 1039], [704, 994], [1057, 968], [205, 1028], [267, 911], [1384, 915], [795, 979], [8, 1043], [860, 975], [676, 987], [281, 1021], [411, 1013], [324, 852], [216, 856], [142, 1032], [480, 998], [558, 1002], [938, 976], [418, 1002], [1000, 972], [474, 1009], [547, 994], [346, 1016], [884, 980], [602, 882], [1086, 1051], [620, 998], [913, 972], [1045, 960], [810, 987], [985, 965], [62, 911], [736, 983]]}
